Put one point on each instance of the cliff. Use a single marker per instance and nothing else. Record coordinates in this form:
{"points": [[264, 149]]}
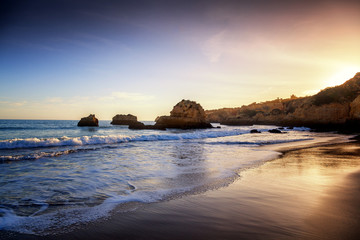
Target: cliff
{"points": [[336, 106]]}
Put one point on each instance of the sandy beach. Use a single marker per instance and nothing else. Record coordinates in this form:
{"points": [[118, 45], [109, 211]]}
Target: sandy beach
{"points": [[310, 193], [216, 120]]}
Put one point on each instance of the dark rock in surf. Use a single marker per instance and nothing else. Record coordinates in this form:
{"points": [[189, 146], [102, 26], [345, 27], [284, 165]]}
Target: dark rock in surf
{"points": [[140, 126], [274, 131], [254, 131], [89, 121]]}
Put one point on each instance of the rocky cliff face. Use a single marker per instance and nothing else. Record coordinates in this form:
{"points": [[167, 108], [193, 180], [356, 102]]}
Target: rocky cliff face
{"points": [[355, 108], [121, 119], [185, 115], [331, 106], [89, 121]]}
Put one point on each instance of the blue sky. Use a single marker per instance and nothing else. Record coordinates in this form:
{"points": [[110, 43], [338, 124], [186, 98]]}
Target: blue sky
{"points": [[66, 59]]}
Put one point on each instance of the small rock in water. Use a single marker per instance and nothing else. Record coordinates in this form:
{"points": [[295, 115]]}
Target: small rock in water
{"points": [[254, 131], [141, 126], [274, 131]]}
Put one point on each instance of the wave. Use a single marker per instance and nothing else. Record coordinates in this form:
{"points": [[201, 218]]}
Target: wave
{"points": [[42, 128], [67, 219], [17, 128], [110, 139], [35, 156], [259, 142], [47, 220], [35, 128], [38, 155]]}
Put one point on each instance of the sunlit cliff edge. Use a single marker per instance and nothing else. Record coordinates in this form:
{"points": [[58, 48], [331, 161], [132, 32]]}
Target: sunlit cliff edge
{"points": [[331, 108]]}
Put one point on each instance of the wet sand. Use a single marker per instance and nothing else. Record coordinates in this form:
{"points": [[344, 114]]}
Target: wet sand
{"points": [[311, 193]]}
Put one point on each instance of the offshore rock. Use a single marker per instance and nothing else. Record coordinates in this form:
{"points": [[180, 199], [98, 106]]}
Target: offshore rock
{"points": [[89, 121], [274, 131], [188, 109], [185, 115], [254, 131], [122, 119]]}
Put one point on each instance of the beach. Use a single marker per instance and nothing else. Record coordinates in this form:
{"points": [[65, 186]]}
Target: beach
{"points": [[179, 120], [308, 193]]}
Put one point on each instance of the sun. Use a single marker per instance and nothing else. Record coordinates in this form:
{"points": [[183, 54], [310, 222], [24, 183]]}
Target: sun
{"points": [[342, 76]]}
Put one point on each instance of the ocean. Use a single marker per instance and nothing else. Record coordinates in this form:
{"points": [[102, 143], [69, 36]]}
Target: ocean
{"points": [[55, 176]]}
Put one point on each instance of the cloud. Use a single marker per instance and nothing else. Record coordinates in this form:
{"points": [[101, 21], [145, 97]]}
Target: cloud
{"points": [[103, 41], [214, 46], [18, 104], [54, 100], [126, 96]]}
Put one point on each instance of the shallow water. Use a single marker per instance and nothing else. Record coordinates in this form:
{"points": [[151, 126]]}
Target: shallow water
{"points": [[54, 174]]}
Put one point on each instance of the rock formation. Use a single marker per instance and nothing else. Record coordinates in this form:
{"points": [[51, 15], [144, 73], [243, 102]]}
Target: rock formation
{"points": [[89, 121], [254, 131], [185, 115], [140, 125], [355, 108], [335, 107], [121, 119], [274, 131]]}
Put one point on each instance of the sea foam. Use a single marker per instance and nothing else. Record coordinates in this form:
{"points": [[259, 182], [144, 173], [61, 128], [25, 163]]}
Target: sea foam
{"points": [[94, 140], [110, 139]]}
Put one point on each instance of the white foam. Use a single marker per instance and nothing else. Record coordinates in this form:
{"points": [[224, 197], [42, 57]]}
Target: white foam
{"points": [[61, 220], [94, 140], [218, 169], [35, 156], [110, 139]]}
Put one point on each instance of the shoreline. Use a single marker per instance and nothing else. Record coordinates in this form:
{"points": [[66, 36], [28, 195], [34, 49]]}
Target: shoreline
{"points": [[233, 211], [284, 148]]}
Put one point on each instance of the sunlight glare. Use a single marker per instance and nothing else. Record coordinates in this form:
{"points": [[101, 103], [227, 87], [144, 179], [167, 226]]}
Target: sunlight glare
{"points": [[342, 76]]}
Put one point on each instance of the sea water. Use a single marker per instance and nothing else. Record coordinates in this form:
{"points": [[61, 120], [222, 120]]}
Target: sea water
{"points": [[54, 175]]}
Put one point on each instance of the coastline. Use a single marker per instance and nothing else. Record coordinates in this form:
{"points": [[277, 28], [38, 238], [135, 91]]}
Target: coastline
{"points": [[290, 197]]}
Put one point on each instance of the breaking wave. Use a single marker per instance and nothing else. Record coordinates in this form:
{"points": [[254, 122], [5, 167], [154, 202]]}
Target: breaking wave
{"points": [[111, 139], [94, 140]]}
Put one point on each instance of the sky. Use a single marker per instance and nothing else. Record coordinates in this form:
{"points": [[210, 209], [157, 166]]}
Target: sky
{"points": [[67, 59]]}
